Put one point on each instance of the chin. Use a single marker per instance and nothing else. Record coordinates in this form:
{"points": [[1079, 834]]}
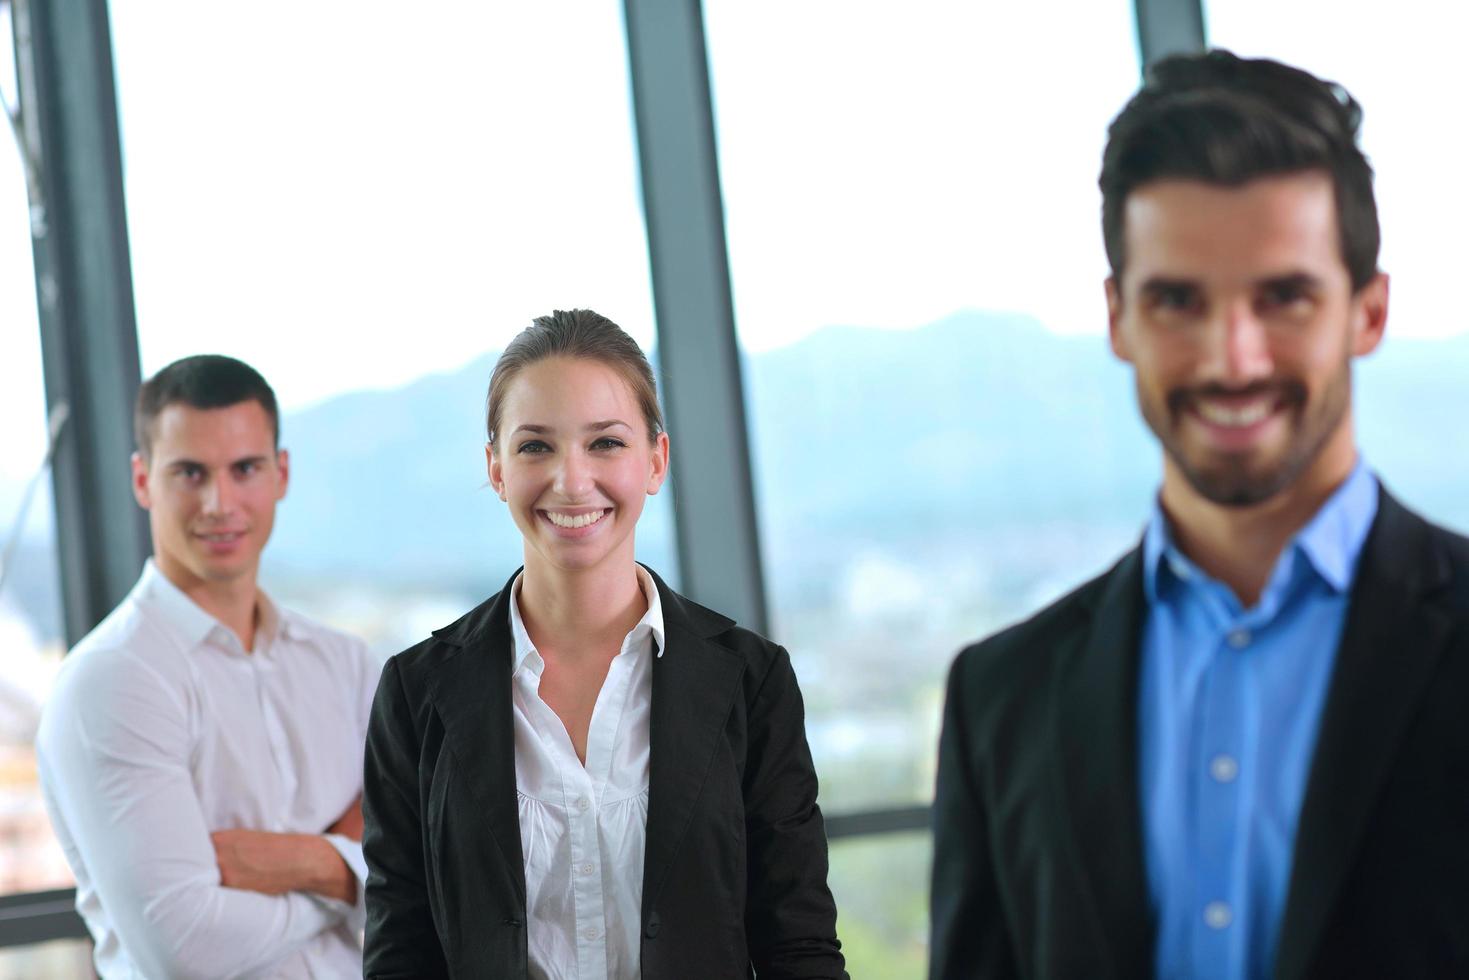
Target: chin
{"points": [[1240, 483]]}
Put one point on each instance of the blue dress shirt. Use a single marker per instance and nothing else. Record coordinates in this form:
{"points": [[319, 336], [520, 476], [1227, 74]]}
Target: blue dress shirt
{"points": [[1229, 704]]}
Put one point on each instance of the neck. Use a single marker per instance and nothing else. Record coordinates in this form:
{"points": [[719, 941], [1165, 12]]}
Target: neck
{"points": [[1240, 546], [234, 602], [576, 613]]}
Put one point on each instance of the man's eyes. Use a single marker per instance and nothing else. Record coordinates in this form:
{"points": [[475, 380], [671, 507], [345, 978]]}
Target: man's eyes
{"points": [[1176, 298], [1284, 294]]}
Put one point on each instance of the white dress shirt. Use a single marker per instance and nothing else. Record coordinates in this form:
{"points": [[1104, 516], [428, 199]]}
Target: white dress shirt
{"points": [[583, 828], [162, 729]]}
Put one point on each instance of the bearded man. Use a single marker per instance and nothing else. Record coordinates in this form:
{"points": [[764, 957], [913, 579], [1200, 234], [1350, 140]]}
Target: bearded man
{"points": [[1244, 750]]}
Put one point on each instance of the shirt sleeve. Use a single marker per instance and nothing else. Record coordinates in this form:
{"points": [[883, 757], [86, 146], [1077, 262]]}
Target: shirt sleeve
{"points": [[351, 852], [114, 751], [368, 667]]}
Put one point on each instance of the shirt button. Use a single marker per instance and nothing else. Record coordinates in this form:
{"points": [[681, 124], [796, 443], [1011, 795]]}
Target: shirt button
{"points": [[589, 933], [1218, 915], [1223, 768], [582, 803], [1239, 639], [587, 868]]}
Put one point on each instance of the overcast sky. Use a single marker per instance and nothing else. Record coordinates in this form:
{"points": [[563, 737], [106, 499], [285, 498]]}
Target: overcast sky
{"points": [[354, 197]]}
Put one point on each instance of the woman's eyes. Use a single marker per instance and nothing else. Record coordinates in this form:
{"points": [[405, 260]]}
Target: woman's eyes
{"points": [[536, 446]]}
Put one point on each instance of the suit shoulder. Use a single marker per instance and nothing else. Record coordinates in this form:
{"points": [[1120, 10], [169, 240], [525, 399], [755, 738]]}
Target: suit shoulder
{"points": [[420, 660], [1013, 661], [1455, 548], [758, 651], [1040, 631]]}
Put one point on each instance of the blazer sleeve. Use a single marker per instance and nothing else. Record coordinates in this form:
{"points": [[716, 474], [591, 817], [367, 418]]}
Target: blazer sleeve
{"points": [[401, 940], [969, 940], [790, 917]]}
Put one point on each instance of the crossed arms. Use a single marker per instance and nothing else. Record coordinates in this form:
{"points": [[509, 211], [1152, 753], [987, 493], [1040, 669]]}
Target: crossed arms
{"points": [[115, 754]]}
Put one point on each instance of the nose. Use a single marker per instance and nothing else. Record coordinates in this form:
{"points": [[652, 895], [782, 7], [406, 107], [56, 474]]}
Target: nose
{"points": [[1240, 346], [219, 497], [573, 476]]}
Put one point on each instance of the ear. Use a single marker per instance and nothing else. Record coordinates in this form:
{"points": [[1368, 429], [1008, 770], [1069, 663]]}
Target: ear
{"points": [[1369, 315], [283, 466], [492, 467], [658, 472], [1115, 334], [140, 482]]}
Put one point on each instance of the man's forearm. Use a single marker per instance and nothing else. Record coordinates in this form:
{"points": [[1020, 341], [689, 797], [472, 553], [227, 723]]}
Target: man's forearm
{"points": [[274, 864]]}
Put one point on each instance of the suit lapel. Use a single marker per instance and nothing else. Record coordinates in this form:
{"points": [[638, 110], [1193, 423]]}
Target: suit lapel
{"points": [[695, 684], [1390, 644], [471, 693], [1096, 718]]}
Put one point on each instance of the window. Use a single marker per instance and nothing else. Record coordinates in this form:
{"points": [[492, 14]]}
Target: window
{"points": [[1401, 63], [366, 207], [31, 639], [917, 270], [941, 442]]}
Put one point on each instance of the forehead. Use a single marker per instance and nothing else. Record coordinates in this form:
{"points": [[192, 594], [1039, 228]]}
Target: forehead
{"points": [[569, 388], [1270, 226], [212, 434]]}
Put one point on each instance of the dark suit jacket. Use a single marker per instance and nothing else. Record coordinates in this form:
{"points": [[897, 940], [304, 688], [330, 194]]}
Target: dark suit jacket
{"points": [[1039, 867], [734, 875]]}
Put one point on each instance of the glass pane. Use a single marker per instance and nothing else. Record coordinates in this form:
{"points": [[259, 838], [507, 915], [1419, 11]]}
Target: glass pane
{"points": [[881, 889], [31, 640], [64, 959], [941, 440], [1402, 63], [365, 207]]}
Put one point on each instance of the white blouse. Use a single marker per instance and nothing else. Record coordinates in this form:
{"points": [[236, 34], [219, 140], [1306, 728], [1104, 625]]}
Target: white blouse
{"points": [[583, 828]]}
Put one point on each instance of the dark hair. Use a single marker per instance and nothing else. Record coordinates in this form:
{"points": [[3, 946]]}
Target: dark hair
{"points": [[1227, 120], [201, 381], [574, 333]]}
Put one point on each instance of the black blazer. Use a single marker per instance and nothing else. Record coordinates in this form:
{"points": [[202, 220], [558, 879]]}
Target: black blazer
{"points": [[734, 876], [1039, 867]]}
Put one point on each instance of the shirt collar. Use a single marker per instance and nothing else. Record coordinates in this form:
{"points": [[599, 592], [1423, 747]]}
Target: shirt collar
{"points": [[188, 620], [1331, 541], [651, 623]]}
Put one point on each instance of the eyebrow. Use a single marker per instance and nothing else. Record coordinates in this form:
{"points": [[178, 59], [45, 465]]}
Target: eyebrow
{"points": [[1159, 284], [178, 464], [1294, 280], [537, 429]]}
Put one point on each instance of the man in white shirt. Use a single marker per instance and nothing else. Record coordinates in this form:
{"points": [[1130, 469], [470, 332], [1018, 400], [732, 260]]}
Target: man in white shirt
{"points": [[201, 753]]}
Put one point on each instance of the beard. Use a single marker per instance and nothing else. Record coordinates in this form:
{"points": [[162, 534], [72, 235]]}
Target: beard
{"points": [[1245, 479]]}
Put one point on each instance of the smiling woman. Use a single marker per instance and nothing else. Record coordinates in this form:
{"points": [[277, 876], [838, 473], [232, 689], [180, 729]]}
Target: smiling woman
{"points": [[641, 759]]}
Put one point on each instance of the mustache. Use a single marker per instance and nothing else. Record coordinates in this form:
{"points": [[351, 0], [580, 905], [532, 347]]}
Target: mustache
{"points": [[1288, 393]]}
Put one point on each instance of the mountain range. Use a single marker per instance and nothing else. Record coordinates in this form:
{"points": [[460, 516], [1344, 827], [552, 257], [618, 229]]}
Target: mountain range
{"points": [[981, 423]]}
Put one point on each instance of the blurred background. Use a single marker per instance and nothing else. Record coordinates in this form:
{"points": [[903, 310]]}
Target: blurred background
{"points": [[861, 239]]}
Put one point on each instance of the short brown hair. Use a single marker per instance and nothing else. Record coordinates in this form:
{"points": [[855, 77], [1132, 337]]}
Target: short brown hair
{"points": [[1227, 120], [201, 381], [579, 334]]}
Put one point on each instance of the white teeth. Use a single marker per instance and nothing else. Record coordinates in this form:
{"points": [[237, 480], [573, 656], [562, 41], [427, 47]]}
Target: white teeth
{"points": [[1234, 417], [579, 520]]}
